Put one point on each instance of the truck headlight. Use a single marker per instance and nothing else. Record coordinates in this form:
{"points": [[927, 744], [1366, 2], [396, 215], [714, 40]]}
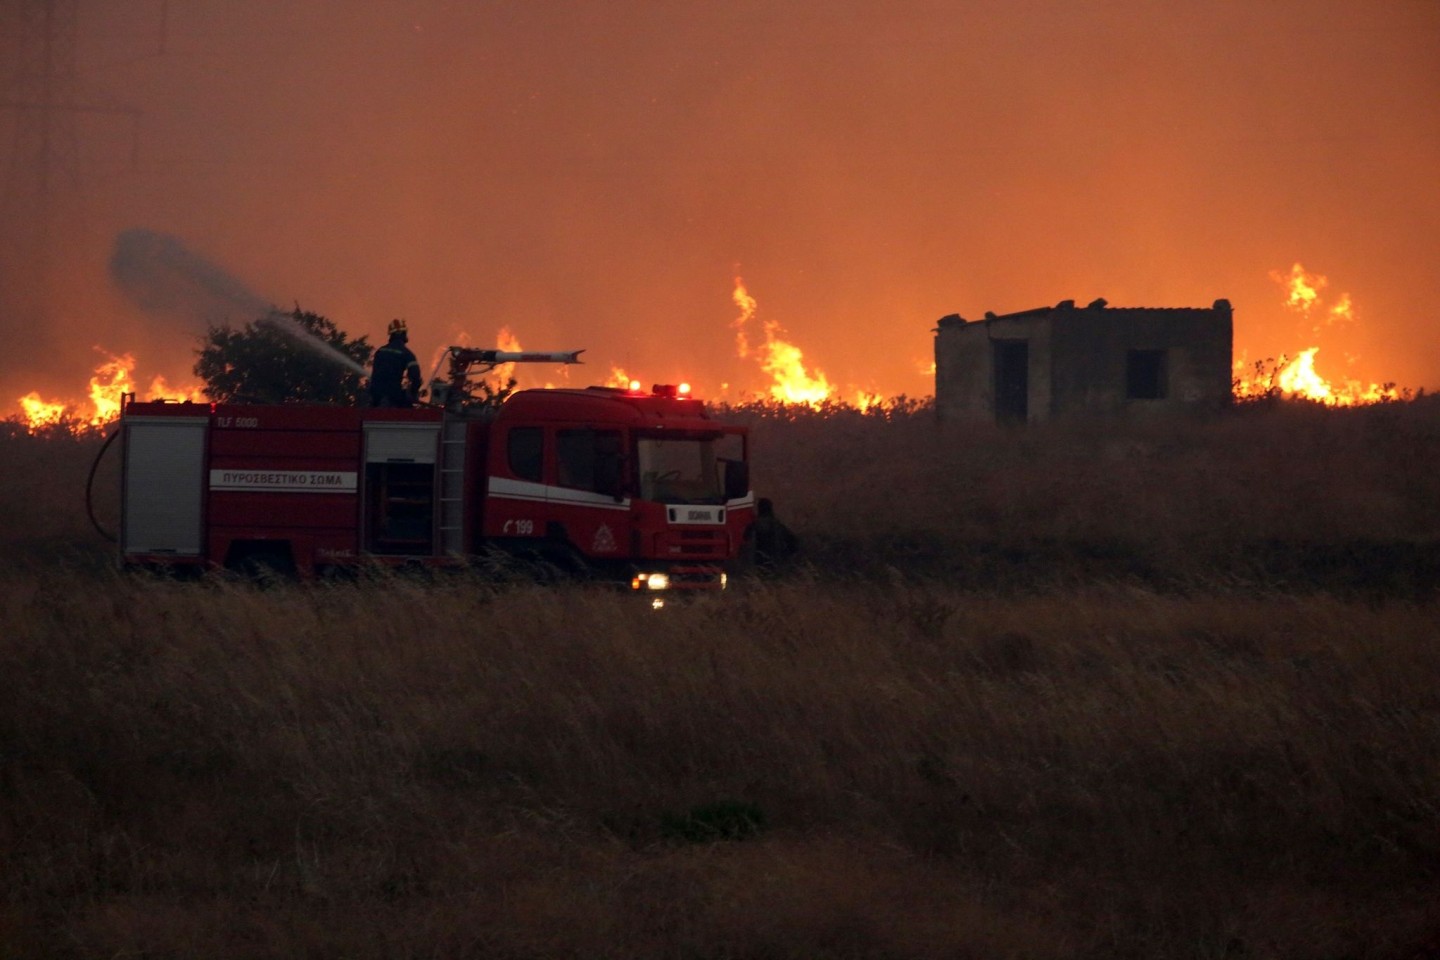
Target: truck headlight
{"points": [[650, 581]]}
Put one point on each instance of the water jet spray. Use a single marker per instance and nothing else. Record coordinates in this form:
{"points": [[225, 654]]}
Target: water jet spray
{"points": [[165, 277]]}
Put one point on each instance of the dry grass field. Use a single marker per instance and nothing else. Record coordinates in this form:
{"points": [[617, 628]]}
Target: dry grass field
{"points": [[1159, 690]]}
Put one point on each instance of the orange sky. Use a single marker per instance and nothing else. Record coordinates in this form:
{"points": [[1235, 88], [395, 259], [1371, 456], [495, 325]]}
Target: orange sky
{"points": [[596, 175]]}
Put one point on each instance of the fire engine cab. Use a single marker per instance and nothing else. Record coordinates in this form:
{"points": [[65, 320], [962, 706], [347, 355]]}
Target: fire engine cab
{"points": [[645, 489]]}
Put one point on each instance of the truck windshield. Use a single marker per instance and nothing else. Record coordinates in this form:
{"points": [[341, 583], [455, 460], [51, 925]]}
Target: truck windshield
{"points": [[685, 469]]}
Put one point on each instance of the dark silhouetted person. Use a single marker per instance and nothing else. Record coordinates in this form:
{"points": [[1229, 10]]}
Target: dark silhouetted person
{"points": [[395, 373], [773, 544]]}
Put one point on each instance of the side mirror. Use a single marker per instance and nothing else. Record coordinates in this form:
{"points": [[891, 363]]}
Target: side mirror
{"points": [[737, 479]]}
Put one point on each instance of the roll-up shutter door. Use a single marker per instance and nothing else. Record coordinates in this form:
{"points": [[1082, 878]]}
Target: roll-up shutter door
{"points": [[401, 442], [164, 486]]}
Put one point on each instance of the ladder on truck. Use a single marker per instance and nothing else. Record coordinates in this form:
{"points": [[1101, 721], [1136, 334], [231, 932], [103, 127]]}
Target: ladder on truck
{"points": [[452, 394], [452, 486]]}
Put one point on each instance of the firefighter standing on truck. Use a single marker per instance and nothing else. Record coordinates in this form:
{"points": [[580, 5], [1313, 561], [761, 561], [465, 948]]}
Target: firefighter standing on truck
{"points": [[395, 374]]}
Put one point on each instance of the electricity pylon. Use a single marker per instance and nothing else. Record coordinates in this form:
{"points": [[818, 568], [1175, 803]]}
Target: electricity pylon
{"points": [[39, 90]]}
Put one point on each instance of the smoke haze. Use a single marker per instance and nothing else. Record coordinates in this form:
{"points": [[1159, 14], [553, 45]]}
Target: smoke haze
{"points": [[597, 175], [171, 282], [164, 277]]}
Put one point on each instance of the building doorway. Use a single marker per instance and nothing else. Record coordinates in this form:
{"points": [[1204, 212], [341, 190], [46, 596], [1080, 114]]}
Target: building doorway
{"points": [[1012, 380]]}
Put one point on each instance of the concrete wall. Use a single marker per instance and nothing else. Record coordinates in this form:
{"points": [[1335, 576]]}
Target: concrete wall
{"points": [[965, 364], [1078, 357]]}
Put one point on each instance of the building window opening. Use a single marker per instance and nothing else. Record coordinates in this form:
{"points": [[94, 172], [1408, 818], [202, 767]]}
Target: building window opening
{"points": [[1145, 375]]}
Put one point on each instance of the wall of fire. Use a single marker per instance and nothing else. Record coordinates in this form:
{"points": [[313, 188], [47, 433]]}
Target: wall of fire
{"points": [[1063, 360]]}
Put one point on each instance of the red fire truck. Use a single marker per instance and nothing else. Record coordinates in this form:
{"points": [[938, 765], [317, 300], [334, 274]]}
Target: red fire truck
{"points": [[642, 488]]}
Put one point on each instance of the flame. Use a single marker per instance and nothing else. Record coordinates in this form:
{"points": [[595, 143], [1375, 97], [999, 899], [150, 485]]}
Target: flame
{"points": [[1296, 377], [1342, 312], [39, 413], [864, 400], [1299, 379], [507, 341], [784, 361], [621, 380], [747, 306], [1301, 287], [160, 388], [112, 380]]}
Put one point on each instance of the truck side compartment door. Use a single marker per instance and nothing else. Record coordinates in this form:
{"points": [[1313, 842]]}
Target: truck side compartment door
{"points": [[399, 501], [164, 486]]}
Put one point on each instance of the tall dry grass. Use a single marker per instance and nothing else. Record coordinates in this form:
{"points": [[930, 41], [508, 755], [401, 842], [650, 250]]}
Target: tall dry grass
{"points": [[1279, 494], [1138, 754], [1282, 493], [805, 769], [43, 482]]}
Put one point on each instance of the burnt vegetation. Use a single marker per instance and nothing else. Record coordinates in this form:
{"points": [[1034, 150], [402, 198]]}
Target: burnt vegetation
{"points": [[1088, 689]]}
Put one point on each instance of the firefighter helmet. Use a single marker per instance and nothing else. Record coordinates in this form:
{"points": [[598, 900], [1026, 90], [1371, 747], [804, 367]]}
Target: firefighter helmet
{"points": [[397, 328]]}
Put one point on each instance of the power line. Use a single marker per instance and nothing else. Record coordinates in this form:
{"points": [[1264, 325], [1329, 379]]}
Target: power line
{"points": [[42, 91]]}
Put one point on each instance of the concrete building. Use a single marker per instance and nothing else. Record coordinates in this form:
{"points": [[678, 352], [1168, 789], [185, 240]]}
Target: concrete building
{"points": [[1062, 360]]}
